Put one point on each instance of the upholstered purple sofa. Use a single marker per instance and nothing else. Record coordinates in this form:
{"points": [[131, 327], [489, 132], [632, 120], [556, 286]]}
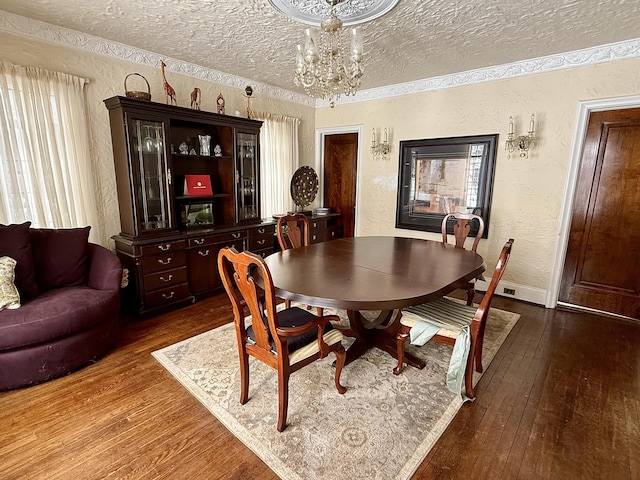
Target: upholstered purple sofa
{"points": [[70, 302]]}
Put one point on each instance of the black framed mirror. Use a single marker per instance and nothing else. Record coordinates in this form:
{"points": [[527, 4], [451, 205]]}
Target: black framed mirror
{"points": [[445, 175]]}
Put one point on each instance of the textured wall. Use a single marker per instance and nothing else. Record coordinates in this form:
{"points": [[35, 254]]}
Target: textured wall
{"points": [[106, 77], [528, 193]]}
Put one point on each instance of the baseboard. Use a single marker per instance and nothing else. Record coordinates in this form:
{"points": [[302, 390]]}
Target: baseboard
{"points": [[519, 292]]}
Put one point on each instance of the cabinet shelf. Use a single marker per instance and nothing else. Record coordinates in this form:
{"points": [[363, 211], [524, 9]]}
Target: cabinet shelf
{"points": [[182, 156], [195, 198]]}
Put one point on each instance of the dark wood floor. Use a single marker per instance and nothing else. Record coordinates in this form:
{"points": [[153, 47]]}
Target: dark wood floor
{"points": [[561, 400]]}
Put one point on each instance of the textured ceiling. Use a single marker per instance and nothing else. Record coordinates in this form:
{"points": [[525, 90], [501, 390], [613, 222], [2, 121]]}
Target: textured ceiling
{"points": [[417, 39]]}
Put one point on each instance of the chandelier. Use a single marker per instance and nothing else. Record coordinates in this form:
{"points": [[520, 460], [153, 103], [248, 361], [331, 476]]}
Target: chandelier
{"points": [[326, 67]]}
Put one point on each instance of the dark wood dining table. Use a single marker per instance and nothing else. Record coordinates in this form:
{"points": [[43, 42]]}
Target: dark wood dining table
{"points": [[372, 274]]}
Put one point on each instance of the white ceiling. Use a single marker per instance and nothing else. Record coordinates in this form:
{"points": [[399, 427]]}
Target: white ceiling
{"points": [[417, 39]]}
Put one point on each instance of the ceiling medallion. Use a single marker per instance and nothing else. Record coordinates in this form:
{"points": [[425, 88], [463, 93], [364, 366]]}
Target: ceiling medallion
{"points": [[353, 12]]}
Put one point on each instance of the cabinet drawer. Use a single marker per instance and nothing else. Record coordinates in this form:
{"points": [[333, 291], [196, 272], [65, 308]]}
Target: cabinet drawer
{"points": [[167, 295], [334, 232], [228, 237], [168, 278], [159, 263], [261, 242], [263, 230], [317, 225], [162, 247], [264, 253], [316, 237]]}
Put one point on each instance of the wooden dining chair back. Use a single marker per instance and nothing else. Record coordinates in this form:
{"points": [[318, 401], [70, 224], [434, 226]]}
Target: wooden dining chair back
{"points": [[461, 230], [292, 231], [452, 321], [286, 340]]}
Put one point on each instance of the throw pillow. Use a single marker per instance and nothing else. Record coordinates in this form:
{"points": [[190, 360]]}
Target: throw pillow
{"points": [[14, 243], [9, 296], [60, 256]]}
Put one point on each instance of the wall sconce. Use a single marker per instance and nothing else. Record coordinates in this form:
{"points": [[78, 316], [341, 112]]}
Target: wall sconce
{"points": [[382, 148], [523, 143]]}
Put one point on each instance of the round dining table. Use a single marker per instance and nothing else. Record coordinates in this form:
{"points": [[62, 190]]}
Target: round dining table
{"points": [[373, 273]]}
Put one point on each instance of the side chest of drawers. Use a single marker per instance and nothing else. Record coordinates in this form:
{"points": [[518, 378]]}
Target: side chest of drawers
{"points": [[323, 228]]}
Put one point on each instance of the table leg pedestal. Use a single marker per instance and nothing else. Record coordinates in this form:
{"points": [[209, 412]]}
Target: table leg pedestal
{"points": [[379, 333]]}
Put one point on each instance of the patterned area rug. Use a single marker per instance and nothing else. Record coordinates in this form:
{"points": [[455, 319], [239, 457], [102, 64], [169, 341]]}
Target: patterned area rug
{"points": [[381, 428]]}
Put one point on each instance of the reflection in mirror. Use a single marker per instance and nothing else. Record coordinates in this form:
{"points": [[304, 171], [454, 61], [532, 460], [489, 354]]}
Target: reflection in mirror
{"points": [[441, 176]]}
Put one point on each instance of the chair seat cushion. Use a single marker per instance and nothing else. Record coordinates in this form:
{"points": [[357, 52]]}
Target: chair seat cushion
{"points": [[450, 315], [296, 317]]}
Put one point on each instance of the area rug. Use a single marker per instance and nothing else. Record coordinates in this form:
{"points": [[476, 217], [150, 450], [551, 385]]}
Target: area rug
{"points": [[381, 428]]}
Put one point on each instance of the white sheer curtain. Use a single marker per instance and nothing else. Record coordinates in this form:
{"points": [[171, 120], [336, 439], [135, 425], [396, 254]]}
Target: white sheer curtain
{"points": [[45, 166], [278, 161]]}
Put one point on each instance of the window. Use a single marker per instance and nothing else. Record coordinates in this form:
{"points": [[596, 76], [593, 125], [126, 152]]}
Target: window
{"points": [[444, 175], [45, 168]]}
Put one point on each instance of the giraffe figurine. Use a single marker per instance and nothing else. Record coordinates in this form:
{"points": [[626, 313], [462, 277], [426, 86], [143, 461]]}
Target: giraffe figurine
{"points": [[169, 92], [195, 99]]}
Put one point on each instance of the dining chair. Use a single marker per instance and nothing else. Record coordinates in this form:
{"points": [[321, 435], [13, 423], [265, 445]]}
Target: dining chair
{"points": [[292, 231], [286, 340], [461, 230], [452, 322]]}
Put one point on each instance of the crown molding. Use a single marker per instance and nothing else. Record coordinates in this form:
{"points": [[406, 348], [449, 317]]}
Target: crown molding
{"points": [[27, 27], [578, 58], [45, 32]]}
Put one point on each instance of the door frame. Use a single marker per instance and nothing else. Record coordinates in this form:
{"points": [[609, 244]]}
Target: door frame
{"points": [[584, 109], [320, 134]]}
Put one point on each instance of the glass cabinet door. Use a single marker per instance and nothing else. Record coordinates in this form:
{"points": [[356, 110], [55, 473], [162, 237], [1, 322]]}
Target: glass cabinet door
{"points": [[154, 212], [246, 176]]}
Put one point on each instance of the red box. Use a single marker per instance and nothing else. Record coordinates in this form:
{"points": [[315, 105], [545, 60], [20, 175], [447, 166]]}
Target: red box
{"points": [[197, 185]]}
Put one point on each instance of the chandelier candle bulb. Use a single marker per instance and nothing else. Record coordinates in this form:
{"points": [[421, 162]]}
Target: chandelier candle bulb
{"points": [[356, 44], [531, 124], [510, 125]]}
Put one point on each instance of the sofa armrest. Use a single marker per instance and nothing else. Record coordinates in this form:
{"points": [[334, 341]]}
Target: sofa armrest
{"points": [[105, 269]]}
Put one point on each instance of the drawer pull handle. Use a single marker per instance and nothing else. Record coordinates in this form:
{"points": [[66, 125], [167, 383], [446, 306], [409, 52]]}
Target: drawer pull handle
{"points": [[315, 225], [199, 241], [315, 237], [164, 262], [203, 254], [168, 279], [261, 230], [261, 242], [236, 235], [164, 248], [168, 296]]}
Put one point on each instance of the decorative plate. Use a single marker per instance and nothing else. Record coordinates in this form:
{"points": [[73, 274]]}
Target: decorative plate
{"points": [[304, 186]]}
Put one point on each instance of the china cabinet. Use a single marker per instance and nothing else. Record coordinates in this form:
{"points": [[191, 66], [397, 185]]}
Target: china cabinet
{"points": [[171, 234]]}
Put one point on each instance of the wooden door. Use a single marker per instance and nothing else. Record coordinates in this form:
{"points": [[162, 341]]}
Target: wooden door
{"points": [[603, 253], [340, 174]]}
